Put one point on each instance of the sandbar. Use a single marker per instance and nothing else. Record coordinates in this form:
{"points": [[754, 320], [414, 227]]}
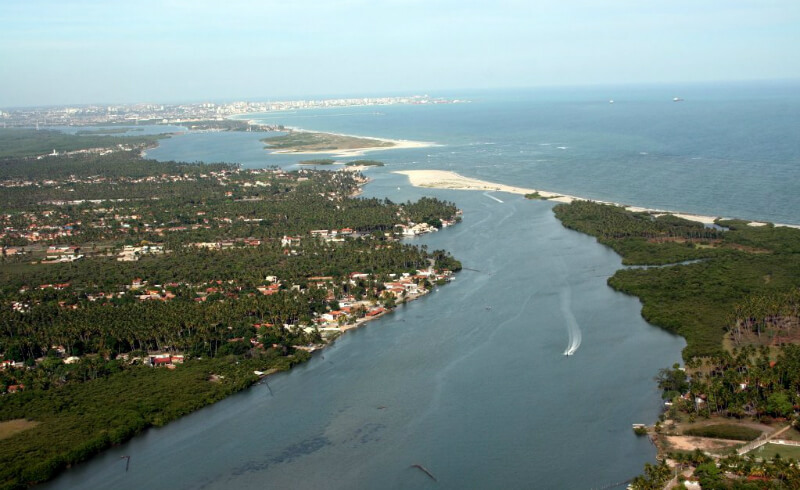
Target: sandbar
{"points": [[380, 145], [444, 179]]}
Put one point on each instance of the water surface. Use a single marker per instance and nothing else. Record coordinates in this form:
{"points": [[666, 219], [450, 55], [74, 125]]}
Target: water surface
{"points": [[469, 381]]}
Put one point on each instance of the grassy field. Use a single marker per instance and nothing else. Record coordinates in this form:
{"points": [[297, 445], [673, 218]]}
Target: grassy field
{"points": [[724, 431], [771, 450]]}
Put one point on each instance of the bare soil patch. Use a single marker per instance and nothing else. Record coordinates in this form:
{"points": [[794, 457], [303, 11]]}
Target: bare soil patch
{"points": [[690, 443], [11, 427]]}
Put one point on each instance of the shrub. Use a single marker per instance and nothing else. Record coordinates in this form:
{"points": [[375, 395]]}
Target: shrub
{"points": [[724, 431]]}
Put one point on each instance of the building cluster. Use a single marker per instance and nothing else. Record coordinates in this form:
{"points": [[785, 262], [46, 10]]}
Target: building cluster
{"points": [[351, 311], [54, 224], [95, 114]]}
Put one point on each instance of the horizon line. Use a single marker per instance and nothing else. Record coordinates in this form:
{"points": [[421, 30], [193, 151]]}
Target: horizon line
{"points": [[426, 92]]}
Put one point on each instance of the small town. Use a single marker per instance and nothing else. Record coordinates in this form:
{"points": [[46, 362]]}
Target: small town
{"points": [[128, 114]]}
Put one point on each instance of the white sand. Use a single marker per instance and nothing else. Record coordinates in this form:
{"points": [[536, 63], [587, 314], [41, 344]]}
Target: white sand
{"points": [[355, 152], [442, 179]]}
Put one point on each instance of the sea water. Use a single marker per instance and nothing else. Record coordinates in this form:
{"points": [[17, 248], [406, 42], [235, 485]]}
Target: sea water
{"points": [[470, 382], [730, 150]]}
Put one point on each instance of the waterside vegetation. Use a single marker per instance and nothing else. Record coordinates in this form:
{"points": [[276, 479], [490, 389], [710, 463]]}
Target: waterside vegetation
{"points": [[302, 141], [702, 273], [733, 291], [19, 142], [133, 292]]}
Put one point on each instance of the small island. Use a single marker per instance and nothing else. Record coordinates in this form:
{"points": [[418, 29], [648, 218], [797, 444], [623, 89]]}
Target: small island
{"points": [[365, 163], [306, 142], [536, 196], [302, 142], [216, 125], [353, 165], [317, 161]]}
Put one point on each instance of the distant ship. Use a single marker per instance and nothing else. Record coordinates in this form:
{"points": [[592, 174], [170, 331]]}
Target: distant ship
{"points": [[677, 99], [611, 101]]}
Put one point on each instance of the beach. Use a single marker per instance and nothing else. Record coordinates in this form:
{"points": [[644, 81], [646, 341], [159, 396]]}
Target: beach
{"points": [[443, 179]]}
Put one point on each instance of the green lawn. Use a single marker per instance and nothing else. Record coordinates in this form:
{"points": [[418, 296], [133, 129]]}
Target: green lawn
{"points": [[770, 450]]}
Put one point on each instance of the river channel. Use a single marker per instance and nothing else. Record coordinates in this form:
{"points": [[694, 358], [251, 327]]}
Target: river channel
{"points": [[470, 381]]}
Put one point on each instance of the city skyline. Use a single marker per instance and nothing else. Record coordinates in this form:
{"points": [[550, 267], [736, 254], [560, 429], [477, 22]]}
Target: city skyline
{"points": [[81, 52]]}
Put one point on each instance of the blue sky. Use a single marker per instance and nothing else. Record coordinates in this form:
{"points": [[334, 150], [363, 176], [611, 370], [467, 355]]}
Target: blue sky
{"points": [[85, 51]]}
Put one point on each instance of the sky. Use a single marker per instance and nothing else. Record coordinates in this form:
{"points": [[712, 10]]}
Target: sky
{"points": [[61, 52]]}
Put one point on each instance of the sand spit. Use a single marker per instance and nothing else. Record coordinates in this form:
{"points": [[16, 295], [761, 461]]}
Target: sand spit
{"points": [[443, 179], [356, 152]]}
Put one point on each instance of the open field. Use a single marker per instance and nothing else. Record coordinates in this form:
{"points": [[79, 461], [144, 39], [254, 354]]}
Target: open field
{"points": [[770, 450], [11, 427]]}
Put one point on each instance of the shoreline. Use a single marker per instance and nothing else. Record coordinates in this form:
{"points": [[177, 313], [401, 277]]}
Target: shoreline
{"points": [[451, 180], [445, 179], [397, 144]]}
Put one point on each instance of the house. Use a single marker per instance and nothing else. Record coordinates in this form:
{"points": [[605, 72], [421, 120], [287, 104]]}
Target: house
{"points": [[376, 311], [269, 290], [333, 316], [159, 360], [289, 240], [15, 388]]}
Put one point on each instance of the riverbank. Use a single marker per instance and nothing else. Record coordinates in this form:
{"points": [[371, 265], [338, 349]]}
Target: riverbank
{"points": [[444, 179], [733, 266]]}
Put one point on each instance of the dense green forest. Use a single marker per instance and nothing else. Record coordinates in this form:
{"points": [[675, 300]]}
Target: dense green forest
{"points": [[113, 264], [79, 420], [229, 125], [714, 269], [733, 291], [28, 142], [743, 383]]}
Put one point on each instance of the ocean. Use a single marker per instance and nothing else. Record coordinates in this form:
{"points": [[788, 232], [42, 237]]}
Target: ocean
{"points": [[730, 150], [471, 381]]}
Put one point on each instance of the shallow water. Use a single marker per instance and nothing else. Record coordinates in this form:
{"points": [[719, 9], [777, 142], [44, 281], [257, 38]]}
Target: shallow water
{"points": [[731, 150]]}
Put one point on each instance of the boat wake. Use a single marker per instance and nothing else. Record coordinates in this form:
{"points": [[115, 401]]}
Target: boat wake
{"points": [[492, 197], [573, 330]]}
